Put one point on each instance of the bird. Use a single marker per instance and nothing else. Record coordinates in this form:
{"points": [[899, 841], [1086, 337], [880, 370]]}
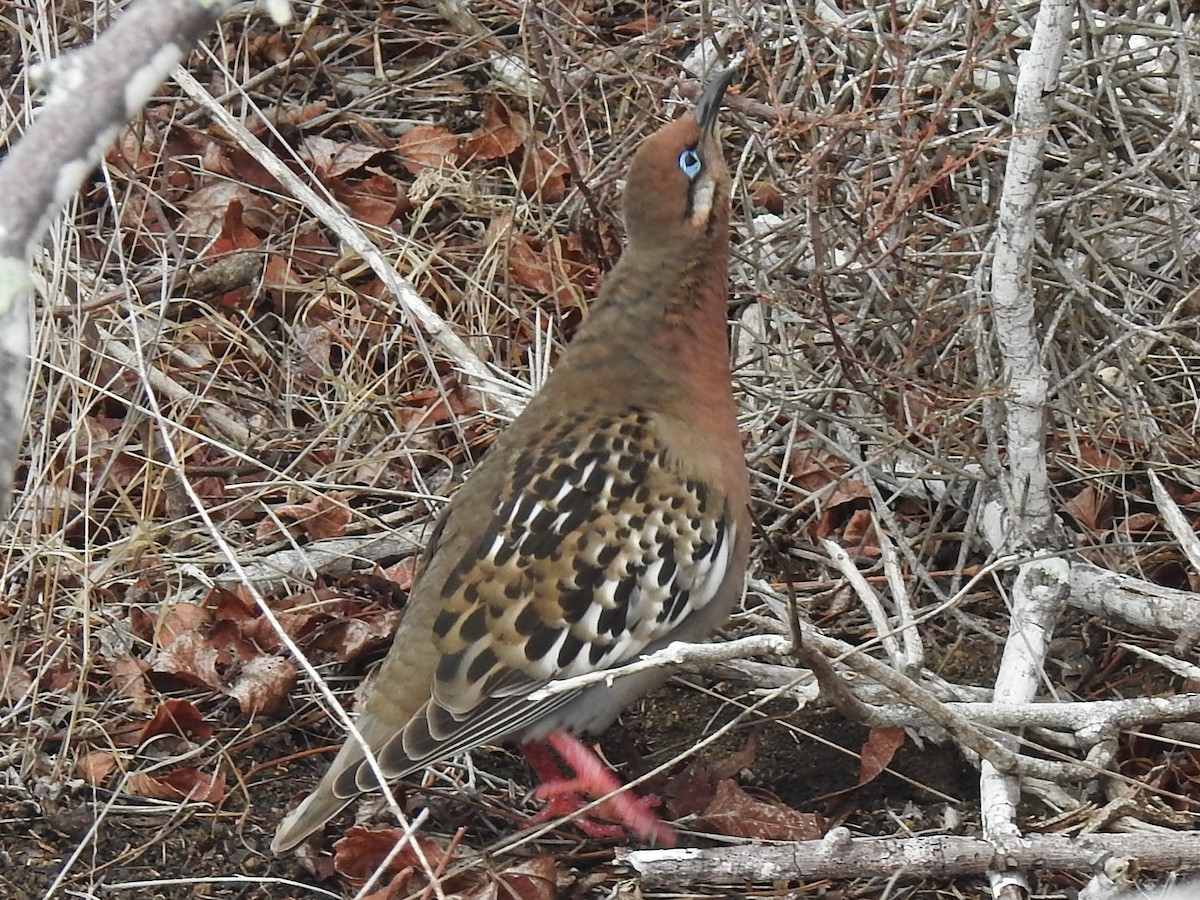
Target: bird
{"points": [[608, 520]]}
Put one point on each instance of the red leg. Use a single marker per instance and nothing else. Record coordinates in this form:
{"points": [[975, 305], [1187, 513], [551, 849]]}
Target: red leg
{"points": [[592, 778]]}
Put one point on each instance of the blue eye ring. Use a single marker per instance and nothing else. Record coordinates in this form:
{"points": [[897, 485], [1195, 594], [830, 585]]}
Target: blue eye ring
{"points": [[689, 163]]}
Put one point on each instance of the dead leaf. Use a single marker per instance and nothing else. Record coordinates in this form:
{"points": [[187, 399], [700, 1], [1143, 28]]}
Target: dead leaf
{"points": [[376, 200], [192, 658], [859, 535], [1139, 523], [230, 606], [15, 680], [642, 25], [544, 176], [815, 469], [427, 147], [736, 813], [235, 235], [428, 407], [740, 759], [179, 619], [847, 491], [529, 879], [876, 754], [351, 639], [361, 851], [547, 272], [181, 784], [324, 516], [208, 206], [396, 889], [402, 573], [332, 159], [263, 684], [690, 791], [94, 767], [1100, 458], [128, 680], [179, 717], [766, 196], [501, 134]]}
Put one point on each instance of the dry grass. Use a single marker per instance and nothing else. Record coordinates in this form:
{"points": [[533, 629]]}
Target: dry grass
{"points": [[869, 149]]}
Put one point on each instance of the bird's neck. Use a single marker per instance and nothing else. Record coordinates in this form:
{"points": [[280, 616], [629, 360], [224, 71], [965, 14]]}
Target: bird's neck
{"points": [[663, 317]]}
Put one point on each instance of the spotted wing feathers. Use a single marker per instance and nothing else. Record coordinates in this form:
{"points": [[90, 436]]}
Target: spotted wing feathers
{"points": [[596, 548]]}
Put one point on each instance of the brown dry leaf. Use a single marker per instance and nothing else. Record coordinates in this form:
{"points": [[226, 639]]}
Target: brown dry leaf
{"points": [[135, 149], [427, 147], [60, 677], [208, 206], [178, 619], [353, 638], [282, 280], [645, 24], [235, 234], [767, 196], [736, 813], [192, 658], [529, 879], [1100, 458], [428, 407], [396, 889], [501, 134], [1087, 507], [528, 269], [298, 115], [181, 784], [876, 754], [544, 176], [15, 680], [1139, 523], [324, 516], [376, 200], [815, 469], [95, 766], [231, 606], [128, 680], [547, 272], [690, 791], [361, 851], [332, 159], [263, 684], [403, 573], [860, 535], [847, 491], [238, 166], [179, 717]]}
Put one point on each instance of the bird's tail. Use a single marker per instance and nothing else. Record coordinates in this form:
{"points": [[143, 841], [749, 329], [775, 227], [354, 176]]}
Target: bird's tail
{"points": [[343, 782], [313, 812]]}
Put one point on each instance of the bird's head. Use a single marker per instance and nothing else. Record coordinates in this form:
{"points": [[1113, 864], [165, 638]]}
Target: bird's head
{"points": [[678, 186]]}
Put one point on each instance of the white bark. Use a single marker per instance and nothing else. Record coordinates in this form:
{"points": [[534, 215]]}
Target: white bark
{"points": [[837, 855], [1041, 586]]}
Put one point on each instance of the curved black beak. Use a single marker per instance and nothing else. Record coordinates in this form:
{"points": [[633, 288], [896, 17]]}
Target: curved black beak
{"points": [[709, 103]]}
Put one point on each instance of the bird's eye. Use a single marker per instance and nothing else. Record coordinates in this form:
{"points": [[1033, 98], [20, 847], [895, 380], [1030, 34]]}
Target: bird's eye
{"points": [[689, 163]]}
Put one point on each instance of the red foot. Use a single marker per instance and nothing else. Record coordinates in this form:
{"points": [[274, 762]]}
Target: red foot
{"points": [[593, 778]]}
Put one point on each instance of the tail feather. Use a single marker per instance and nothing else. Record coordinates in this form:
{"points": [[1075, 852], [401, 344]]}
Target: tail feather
{"points": [[338, 788], [313, 812]]}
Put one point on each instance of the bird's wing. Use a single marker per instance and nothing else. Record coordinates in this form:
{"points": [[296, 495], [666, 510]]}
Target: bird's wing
{"points": [[595, 548]]}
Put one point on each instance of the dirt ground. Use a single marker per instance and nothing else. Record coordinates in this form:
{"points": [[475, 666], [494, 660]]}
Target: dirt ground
{"points": [[144, 845]]}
